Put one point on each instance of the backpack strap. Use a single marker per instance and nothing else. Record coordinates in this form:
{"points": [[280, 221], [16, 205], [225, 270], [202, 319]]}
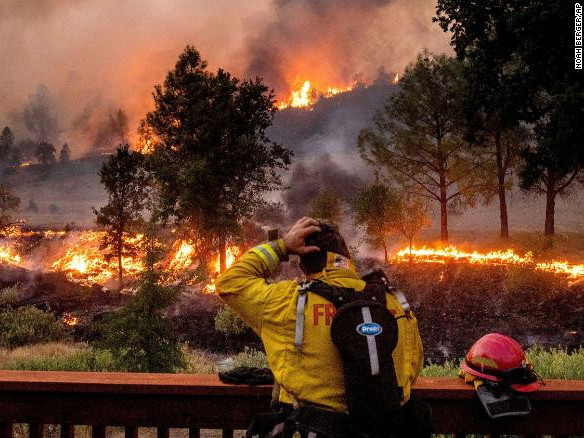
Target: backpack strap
{"points": [[300, 306]]}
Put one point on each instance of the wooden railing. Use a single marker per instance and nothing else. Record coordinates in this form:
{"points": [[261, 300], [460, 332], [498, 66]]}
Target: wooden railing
{"points": [[200, 402]]}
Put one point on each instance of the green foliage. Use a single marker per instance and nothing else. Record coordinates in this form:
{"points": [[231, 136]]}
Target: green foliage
{"points": [[327, 206], [139, 336], [28, 325], [417, 139], [501, 43], [9, 204], [228, 322], [375, 210], [84, 360], [250, 358], [412, 216], [9, 295], [125, 181], [448, 369], [552, 363], [212, 159]]}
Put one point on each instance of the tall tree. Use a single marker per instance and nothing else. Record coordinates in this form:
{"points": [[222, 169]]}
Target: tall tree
{"points": [[327, 206], [483, 38], [555, 102], [45, 153], [6, 144], [417, 137], [65, 154], [40, 115], [503, 42], [412, 217], [376, 212], [126, 183], [9, 204], [140, 335], [212, 159]]}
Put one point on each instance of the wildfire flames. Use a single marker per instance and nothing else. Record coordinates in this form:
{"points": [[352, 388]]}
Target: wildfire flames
{"points": [[306, 95], [501, 258], [77, 254]]}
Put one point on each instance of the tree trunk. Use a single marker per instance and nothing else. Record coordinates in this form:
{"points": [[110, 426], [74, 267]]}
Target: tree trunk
{"points": [[550, 205], [222, 256], [385, 251], [410, 250], [443, 209], [501, 171]]}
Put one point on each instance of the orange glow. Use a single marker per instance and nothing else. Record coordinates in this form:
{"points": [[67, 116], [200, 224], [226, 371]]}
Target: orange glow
{"points": [[501, 258], [81, 260], [306, 95], [69, 320], [396, 78]]}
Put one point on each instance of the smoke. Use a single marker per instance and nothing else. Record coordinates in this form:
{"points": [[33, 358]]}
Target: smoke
{"points": [[96, 57], [40, 116], [311, 177], [332, 42]]}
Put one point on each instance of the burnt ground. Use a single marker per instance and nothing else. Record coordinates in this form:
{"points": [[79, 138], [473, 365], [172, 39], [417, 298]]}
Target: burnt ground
{"points": [[455, 304]]}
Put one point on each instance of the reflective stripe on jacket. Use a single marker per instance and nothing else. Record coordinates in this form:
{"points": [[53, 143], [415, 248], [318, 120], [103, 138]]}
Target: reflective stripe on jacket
{"points": [[313, 374]]}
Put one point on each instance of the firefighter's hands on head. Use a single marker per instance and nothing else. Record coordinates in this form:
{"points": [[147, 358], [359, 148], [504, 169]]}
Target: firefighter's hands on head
{"points": [[294, 239]]}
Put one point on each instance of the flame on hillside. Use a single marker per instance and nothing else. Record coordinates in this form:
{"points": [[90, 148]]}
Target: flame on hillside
{"points": [[306, 95], [78, 255], [507, 257]]}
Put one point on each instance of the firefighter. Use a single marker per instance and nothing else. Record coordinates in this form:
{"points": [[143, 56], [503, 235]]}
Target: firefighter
{"points": [[313, 375]]}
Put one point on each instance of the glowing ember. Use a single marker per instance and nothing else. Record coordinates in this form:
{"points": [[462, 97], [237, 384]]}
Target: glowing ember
{"points": [[77, 255], [505, 257], [396, 78], [69, 320], [9, 256], [183, 256], [83, 263], [231, 255], [306, 95]]}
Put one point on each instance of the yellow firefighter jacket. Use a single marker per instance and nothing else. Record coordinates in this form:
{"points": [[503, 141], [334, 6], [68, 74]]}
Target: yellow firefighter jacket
{"points": [[314, 374]]}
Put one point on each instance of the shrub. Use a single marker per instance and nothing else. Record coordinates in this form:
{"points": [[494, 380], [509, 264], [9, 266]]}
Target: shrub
{"points": [[140, 336], [9, 295], [28, 325], [250, 358], [228, 322]]}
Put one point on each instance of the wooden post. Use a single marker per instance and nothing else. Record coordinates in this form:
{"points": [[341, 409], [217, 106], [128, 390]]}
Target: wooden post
{"points": [[162, 432], [273, 234], [36, 430], [5, 430], [131, 432], [227, 433], [194, 432], [67, 431], [98, 432]]}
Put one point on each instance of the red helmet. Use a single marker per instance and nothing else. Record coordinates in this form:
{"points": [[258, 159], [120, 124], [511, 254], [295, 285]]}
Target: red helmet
{"points": [[499, 358]]}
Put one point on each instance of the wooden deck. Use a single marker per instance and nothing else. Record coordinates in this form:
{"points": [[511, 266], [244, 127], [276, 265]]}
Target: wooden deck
{"points": [[203, 402]]}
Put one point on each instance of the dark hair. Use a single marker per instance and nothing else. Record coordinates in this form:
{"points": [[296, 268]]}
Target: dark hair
{"points": [[328, 240]]}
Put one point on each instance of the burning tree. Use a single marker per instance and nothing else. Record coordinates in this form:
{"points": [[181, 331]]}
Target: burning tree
{"points": [[211, 159], [417, 137], [125, 180]]}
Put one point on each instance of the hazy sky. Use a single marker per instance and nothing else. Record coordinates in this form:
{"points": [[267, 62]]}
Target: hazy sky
{"points": [[99, 55]]}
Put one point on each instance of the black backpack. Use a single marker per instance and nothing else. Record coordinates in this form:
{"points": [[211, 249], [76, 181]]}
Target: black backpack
{"points": [[365, 333]]}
